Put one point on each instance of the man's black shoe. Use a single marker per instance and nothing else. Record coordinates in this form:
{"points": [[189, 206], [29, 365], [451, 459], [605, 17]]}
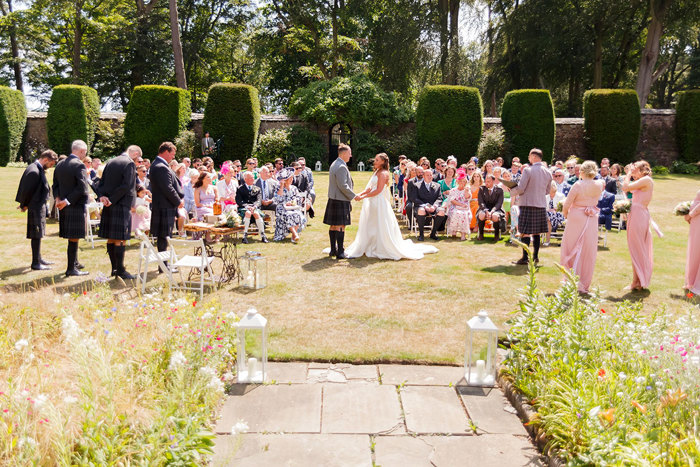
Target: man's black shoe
{"points": [[45, 263], [79, 266], [125, 275], [245, 240], [40, 267], [75, 272], [264, 239], [521, 262], [341, 256]]}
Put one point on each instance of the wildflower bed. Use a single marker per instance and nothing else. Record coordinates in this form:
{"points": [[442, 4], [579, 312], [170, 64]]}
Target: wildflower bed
{"points": [[609, 384], [87, 380]]}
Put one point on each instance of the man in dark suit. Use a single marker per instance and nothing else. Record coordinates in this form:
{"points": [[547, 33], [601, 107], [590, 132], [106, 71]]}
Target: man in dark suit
{"points": [[490, 207], [268, 187], [605, 204], [70, 188], [412, 194], [301, 181], [249, 201], [167, 195], [32, 194], [428, 203], [117, 192]]}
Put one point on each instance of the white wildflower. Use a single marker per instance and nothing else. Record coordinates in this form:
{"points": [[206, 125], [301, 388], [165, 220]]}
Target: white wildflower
{"points": [[70, 400], [228, 376], [620, 395], [594, 411], [29, 441], [639, 380], [177, 359], [622, 376], [70, 328], [208, 371], [659, 384], [40, 400], [239, 427], [231, 315], [206, 316], [216, 384], [181, 302], [21, 344]]}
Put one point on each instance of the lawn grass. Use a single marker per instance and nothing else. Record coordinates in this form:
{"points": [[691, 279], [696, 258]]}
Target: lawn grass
{"points": [[371, 310]]}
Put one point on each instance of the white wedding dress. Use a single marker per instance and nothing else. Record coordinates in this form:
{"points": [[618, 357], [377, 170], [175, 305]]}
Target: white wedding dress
{"points": [[379, 235]]}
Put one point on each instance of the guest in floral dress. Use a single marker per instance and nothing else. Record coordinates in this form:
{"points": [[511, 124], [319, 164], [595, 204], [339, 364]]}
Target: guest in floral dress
{"points": [[290, 216], [459, 213], [555, 218]]}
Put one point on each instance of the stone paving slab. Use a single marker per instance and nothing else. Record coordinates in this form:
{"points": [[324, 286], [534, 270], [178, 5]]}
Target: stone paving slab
{"points": [[431, 409], [325, 375], [463, 451], [421, 375], [284, 373], [257, 450], [275, 408], [361, 408], [486, 410], [360, 372]]}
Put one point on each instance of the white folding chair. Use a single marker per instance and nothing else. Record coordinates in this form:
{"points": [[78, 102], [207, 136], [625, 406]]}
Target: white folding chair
{"points": [[200, 263], [147, 256], [602, 230], [91, 225]]}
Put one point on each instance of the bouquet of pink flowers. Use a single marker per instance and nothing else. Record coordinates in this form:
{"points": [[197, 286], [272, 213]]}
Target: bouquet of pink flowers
{"points": [[622, 206], [683, 208]]}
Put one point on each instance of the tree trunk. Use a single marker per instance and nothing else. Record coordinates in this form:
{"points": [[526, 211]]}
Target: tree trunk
{"points": [[598, 58], [454, 41], [443, 11], [14, 49], [138, 72], [77, 42], [645, 78], [334, 64], [177, 46], [489, 35]]}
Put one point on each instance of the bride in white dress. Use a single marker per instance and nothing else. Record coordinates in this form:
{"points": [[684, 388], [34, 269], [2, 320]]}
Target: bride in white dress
{"points": [[378, 234]]}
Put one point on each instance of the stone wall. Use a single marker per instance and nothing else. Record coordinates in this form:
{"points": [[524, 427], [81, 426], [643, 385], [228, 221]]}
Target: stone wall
{"points": [[657, 142]]}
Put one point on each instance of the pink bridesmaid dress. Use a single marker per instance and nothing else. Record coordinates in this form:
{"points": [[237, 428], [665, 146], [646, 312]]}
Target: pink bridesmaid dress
{"points": [[579, 246], [692, 263], [639, 241]]}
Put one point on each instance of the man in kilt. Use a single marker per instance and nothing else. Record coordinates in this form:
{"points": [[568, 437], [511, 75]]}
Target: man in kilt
{"points": [[533, 189], [117, 191], [70, 188], [167, 195], [340, 193], [32, 194]]}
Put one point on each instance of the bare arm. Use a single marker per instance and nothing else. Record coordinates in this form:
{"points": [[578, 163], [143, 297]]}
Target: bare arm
{"points": [[196, 198], [382, 179], [643, 184]]}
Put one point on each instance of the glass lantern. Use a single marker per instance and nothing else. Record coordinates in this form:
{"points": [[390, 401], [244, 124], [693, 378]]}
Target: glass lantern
{"points": [[484, 371], [255, 270], [250, 370], [319, 166]]}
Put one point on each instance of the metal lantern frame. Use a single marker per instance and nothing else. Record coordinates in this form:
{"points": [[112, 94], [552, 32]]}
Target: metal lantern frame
{"points": [[481, 325], [252, 321], [255, 273]]}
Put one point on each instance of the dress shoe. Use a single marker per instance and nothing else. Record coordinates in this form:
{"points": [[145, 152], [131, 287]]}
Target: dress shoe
{"points": [[332, 254], [125, 275], [114, 272], [480, 238], [536, 261], [79, 266], [264, 239], [45, 263], [521, 262], [496, 237], [421, 238], [341, 256], [434, 237], [245, 240], [75, 272], [40, 267]]}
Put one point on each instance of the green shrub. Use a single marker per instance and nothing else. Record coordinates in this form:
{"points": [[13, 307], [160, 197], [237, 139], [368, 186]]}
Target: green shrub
{"points": [[73, 114], [156, 114], [449, 122], [493, 144], [680, 167], [401, 144], [186, 143], [233, 113], [688, 125], [365, 145], [13, 119], [306, 143], [660, 170], [612, 123], [528, 121], [109, 140], [273, 144]]}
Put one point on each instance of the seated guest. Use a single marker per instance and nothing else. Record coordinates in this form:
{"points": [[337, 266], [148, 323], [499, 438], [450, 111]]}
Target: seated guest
{"points": [[249, 201], [452, 161], [408, 188], [188, 188], [458, 213], [428, 202], [147, 163], [95, 164], [290, 216], [490, 207], [614, 182], [399, 177], [515, 170], [563, 186], [570, 166], [475, 183], [575, 177], [439, 170], [306, 171], [605, 204], [228, 186], [554, 218], [487, 168], [141, 179], [205, 196], [449, 182], [605, 162], [268, 187], [499, 161], [302, 183], [559, 165], [141, 211], [279, 165]]}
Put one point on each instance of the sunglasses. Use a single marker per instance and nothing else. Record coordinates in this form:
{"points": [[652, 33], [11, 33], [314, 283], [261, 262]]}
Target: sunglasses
{"points": [[470, 169], [425, 165]]}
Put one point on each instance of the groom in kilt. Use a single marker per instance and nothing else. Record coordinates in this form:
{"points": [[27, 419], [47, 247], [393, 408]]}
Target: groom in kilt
{"points": [[340, 193], [70, 188], [167, 195]]}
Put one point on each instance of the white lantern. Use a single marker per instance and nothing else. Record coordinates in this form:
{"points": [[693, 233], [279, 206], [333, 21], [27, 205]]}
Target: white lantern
{"points": [[255, 272], [319, 166], [361, 166], [252, 370], [484, 372]]}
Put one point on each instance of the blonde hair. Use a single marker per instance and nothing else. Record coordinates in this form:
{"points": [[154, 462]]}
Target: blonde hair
{"points": [[588, 169], [481, 177], [644, 168]]}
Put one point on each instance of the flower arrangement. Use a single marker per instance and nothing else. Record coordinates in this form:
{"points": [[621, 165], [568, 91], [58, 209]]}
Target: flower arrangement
{"points": [[233, 219], [141, 210], [622, 206], [560, 206], [683, 208]]}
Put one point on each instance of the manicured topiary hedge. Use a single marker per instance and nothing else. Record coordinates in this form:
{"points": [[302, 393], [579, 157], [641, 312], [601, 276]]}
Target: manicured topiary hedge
{"points": [[449, 122], [233, 113], [528, 120], [612, 123], [73, 114], [688, 125], [156, 114], [13, 119]]}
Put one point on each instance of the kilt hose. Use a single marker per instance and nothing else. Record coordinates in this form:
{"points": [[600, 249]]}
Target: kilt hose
{"points": [[337, 212], [532, 220], [36, 223], [71, 221], [163, 222], [115, 223]]}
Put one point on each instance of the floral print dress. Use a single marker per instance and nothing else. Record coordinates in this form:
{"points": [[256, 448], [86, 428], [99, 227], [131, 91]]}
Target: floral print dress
{"points": [[286, 219], [458, 217]]}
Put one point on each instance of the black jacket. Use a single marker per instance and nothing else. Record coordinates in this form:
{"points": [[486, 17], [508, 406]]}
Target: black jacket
{"points": [[491, 201], [33, 190], [301, 182], [118, 182], [428, 194], [165, 187], [249, 197], [70, 181]]}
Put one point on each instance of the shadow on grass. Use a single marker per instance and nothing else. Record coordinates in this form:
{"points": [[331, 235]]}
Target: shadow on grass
{"points": [[510, 270], [319, 264], [632, 296]]}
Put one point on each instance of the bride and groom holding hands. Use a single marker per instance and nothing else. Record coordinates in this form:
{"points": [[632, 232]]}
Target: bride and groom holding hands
{"points": [[378, 233]]}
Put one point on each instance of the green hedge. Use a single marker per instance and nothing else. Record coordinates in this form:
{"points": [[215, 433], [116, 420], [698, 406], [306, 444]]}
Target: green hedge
{"points": [[13, 119], [528, 120], [233, 113], [73, 114], [449, 122], [688, 125], [612, 123], [156, 114]]}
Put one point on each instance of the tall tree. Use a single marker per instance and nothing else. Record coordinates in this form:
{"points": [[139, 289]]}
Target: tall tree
{"points": [[177, 46], [647, 74], [6, 9]]}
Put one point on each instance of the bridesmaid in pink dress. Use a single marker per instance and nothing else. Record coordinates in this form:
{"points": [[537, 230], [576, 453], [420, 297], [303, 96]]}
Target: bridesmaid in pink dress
{"points": [[579, 246], [639, 239], [692, 263]]}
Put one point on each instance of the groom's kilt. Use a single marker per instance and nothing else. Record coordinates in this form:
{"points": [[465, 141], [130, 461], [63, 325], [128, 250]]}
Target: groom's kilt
{"points": [[36, 223], [71, 221], [162, 222], [337, 212], [115, 223], [532, 220]]}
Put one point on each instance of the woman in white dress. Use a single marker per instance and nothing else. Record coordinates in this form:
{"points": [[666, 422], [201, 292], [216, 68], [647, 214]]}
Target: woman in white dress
{"points": [[378, 234]]}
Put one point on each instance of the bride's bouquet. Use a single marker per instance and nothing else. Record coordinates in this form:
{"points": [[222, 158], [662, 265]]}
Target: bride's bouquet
{"points": [[622, 206], [683, 208]]}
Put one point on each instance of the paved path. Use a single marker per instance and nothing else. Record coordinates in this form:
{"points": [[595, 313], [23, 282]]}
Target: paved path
{"points": [[362, 415]]}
